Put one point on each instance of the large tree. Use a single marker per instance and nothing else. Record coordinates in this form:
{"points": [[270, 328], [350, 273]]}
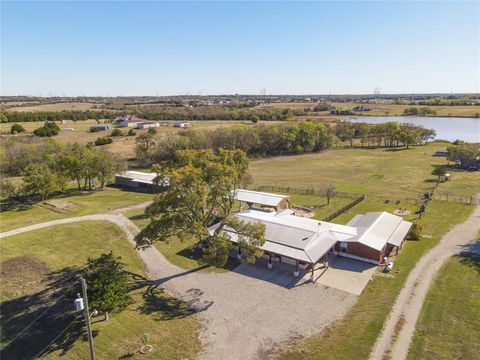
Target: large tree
{"points": [[107, 284], [200, 193], [40, 179]]}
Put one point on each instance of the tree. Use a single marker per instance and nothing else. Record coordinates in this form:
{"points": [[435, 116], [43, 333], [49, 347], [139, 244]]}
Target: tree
{"points": [[107, 284], [152, 131], [116, 132], [464, 153], [40, 179], [200, 193], [439, 171], [251, 236], [16, 128], [144, 146], [254, 119], [48, 129], [106, 166], [131, 132], [330, 192]]}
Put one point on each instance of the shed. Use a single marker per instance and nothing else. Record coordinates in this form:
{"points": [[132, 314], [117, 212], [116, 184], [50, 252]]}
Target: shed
{"points": [[250, 197]]}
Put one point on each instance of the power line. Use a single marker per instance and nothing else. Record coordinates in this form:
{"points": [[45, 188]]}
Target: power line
{"points": [[38, 318], [56, 337]]}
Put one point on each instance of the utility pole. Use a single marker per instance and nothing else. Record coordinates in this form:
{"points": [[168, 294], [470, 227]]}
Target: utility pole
{"points": [[87, 318]]}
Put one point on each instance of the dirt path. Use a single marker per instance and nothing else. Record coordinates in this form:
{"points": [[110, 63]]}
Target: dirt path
{"points": [[410, 300], [245, 313]]}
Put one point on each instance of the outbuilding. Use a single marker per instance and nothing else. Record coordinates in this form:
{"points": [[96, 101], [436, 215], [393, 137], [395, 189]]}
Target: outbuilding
{"points": [[252, 198], [138, 180]]}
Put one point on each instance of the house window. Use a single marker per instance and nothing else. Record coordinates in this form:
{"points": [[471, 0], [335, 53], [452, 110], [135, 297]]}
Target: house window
{"points": [[343, 247]]}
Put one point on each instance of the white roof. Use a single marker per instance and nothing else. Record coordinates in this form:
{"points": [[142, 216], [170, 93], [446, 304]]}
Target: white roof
{"points": [[378, 228], [257, 197], [137, 176], [293, 236]]}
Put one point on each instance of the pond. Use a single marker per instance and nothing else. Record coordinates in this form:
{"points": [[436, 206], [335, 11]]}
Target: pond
{"points": [[447, 128]]}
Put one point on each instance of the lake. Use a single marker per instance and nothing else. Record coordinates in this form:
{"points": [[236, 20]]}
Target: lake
{"points": [[447, 128]]}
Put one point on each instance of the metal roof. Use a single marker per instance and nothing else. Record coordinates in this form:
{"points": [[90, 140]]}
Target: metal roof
{"points": [[257, 197], [378, 228], [293, 236], [137, 176]]}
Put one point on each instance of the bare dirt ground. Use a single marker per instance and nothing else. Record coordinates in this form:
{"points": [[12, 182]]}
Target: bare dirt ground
{"points": [[246, 313], [394, 343]]}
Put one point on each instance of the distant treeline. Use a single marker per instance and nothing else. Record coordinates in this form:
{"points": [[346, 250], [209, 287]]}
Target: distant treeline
{"points": [[165, 113], [281, 139]]}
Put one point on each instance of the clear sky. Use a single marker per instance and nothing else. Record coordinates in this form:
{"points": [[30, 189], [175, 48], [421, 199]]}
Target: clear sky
{"points": [[166, 48]]}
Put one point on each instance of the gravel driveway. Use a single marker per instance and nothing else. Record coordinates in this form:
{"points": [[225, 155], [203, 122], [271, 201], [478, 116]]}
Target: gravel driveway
{"points": [[246, 313]]}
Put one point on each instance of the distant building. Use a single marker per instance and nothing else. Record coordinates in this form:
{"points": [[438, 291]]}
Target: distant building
{"points": [[361, 108], [147, 125], [138, 180], [101, 127], [128, 121], [443, 153], [182, 124]]}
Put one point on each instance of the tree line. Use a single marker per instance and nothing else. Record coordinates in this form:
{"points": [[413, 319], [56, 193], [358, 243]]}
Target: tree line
{"points": [[48, 168], [255, 141]]}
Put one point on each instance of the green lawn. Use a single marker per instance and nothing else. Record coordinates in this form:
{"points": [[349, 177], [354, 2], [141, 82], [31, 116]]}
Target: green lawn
{"points": [[449, 326], [38, 266], [353, 336], [394, 173], [71, 205]]}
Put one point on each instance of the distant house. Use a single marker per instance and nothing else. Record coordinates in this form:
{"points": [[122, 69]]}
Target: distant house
{"points": [[147, 125], [100, 127], [128, 121], [361, 108], [138, 180], [443, 153], [182, 124], [68, 129]]}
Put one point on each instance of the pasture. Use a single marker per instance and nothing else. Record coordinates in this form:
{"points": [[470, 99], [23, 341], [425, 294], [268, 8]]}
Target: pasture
{"points": [[396, 173], [38, 270], [448, 325]]}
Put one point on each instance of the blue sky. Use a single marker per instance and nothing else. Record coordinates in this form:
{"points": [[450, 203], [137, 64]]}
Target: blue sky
{"points": [[163, 48]]}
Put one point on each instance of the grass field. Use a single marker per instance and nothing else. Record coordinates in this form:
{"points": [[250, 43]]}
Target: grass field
{"points": [[449, 326], [52, 107], [77, 204], [354, 335], [394, 173], [382, 109], [38, 266]]}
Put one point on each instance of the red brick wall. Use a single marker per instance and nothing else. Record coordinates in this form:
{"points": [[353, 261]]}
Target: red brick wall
{"points": [[361, 250]]}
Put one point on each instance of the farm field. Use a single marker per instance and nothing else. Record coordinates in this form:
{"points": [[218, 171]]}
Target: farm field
{"points": [[381, 109], [391, 173], [448, 325], [354, 335], [36, 268], [70, 205], [63, 106]]}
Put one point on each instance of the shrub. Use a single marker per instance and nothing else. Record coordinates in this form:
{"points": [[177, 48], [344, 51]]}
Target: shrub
{"points": [[116, 132], [49, 129], [131, 132], [103, 141], [415, 232], [152, 131], [16, 128]]}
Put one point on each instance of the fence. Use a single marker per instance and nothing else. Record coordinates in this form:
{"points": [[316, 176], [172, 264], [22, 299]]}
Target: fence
{"points": [[345, 208], [304, 191]]}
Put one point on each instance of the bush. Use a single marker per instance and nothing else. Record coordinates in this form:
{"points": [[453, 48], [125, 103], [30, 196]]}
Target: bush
{"points": [[116, 132], [3, 118], [131, 132], [152, 131], [415, 232], [103, 141], [16, 128], [49, 129]]}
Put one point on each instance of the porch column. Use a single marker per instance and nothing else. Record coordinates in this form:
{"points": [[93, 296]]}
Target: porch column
{"points": [[312, 275], [296, 272], [239, 255], [270, 264]]}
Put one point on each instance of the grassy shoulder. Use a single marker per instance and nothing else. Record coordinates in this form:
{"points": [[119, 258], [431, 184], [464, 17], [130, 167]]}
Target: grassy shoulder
{"points": [[70, 205], [353, 336], [36, 267], [448, 325]]}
